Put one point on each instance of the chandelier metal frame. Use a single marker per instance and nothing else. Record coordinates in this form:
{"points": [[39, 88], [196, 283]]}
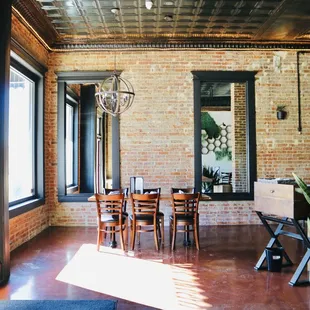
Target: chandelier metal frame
{"points": [[115, 95]]}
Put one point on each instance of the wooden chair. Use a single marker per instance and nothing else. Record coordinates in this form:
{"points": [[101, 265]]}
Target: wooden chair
{"points": [[184, 213], [144, 213], [160, 214], [125, 191], [181, 190], [226, 177], [110, 217]]}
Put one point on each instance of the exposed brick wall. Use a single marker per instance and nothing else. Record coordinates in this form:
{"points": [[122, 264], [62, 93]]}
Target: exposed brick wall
{"points": [[26, 226], [280, 148], [157, 132]]}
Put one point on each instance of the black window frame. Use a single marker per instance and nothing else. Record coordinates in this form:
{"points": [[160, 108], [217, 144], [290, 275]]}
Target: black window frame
{"points": [[72, 100], [247, 77], [37, 76], [81, 77]]}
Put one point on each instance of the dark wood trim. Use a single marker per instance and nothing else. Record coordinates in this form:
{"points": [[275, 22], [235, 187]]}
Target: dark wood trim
{"points": [[27, 64], [39, 137], [225, 76], [213, 108], [299, 128], [61, 141], [83, 197], [73, 101], [116, 153], [73, 95], [26, 207], [81, 77], [21, 52], [88, 137], [5, 37], [27, 204], [197, 132], [251, 136], [247, 77]]}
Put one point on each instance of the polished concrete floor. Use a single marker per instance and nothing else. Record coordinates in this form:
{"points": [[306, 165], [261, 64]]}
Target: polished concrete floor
{"points": [[62, 263]]}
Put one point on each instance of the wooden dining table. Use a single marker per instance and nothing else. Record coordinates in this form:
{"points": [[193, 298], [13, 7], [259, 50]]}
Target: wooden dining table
{"points": [[164, 197]]}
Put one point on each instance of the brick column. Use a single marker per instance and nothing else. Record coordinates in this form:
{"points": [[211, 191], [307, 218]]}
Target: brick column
{"points": [[238, 106]]}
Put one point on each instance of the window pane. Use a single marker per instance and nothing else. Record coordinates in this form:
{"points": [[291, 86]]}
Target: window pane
{"points": [[21, 137], [69, 144]]}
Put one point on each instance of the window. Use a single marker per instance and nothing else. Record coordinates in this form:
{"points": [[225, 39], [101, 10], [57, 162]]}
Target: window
{"points": [[26, 177], [93, 151], [71, 134], [21, 137]]}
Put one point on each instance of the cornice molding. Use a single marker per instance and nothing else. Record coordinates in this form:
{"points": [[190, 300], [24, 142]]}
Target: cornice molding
{"points": [[185, 46], [32, 15]]}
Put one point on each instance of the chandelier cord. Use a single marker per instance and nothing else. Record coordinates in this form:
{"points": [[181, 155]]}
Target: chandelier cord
{"points": [[115, 95], [114, 45]]}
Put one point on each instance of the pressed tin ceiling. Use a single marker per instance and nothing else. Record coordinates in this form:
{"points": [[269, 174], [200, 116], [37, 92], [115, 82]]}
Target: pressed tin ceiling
{"points": [[64, 24]]}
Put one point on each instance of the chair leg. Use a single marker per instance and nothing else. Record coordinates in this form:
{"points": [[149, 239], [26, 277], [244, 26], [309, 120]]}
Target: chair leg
{"points": [[198, 229], [196, 234], [158, 229], [170, 232], [133, 234], [105, 233], [174, 231], [156, 236], [162, 228], [139, 234], [122, 237], [98, 239], [126, 231], [111, 229]]}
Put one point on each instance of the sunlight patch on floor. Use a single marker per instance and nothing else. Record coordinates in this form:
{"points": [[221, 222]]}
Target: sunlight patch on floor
{"points": [[25, 291], [150, 283]]}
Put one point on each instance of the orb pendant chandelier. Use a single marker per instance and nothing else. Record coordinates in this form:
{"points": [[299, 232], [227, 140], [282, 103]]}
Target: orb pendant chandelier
{"points": [[115, 95]]}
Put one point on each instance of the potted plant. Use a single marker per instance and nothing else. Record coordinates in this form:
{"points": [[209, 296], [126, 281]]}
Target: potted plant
{"points": [[210, 177], [303, 189], [281, 113]]}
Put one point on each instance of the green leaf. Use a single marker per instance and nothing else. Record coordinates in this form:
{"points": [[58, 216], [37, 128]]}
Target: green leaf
{"points": [[211, 174], [220, 155], [303, 187], [210, 126]]}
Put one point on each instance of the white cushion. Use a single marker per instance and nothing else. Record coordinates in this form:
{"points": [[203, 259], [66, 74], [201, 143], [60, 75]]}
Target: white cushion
{"points": [[114, 193]]}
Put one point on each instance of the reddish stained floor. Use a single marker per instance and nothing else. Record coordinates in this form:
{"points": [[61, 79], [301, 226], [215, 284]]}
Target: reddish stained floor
{"points": [[219, 276]]}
